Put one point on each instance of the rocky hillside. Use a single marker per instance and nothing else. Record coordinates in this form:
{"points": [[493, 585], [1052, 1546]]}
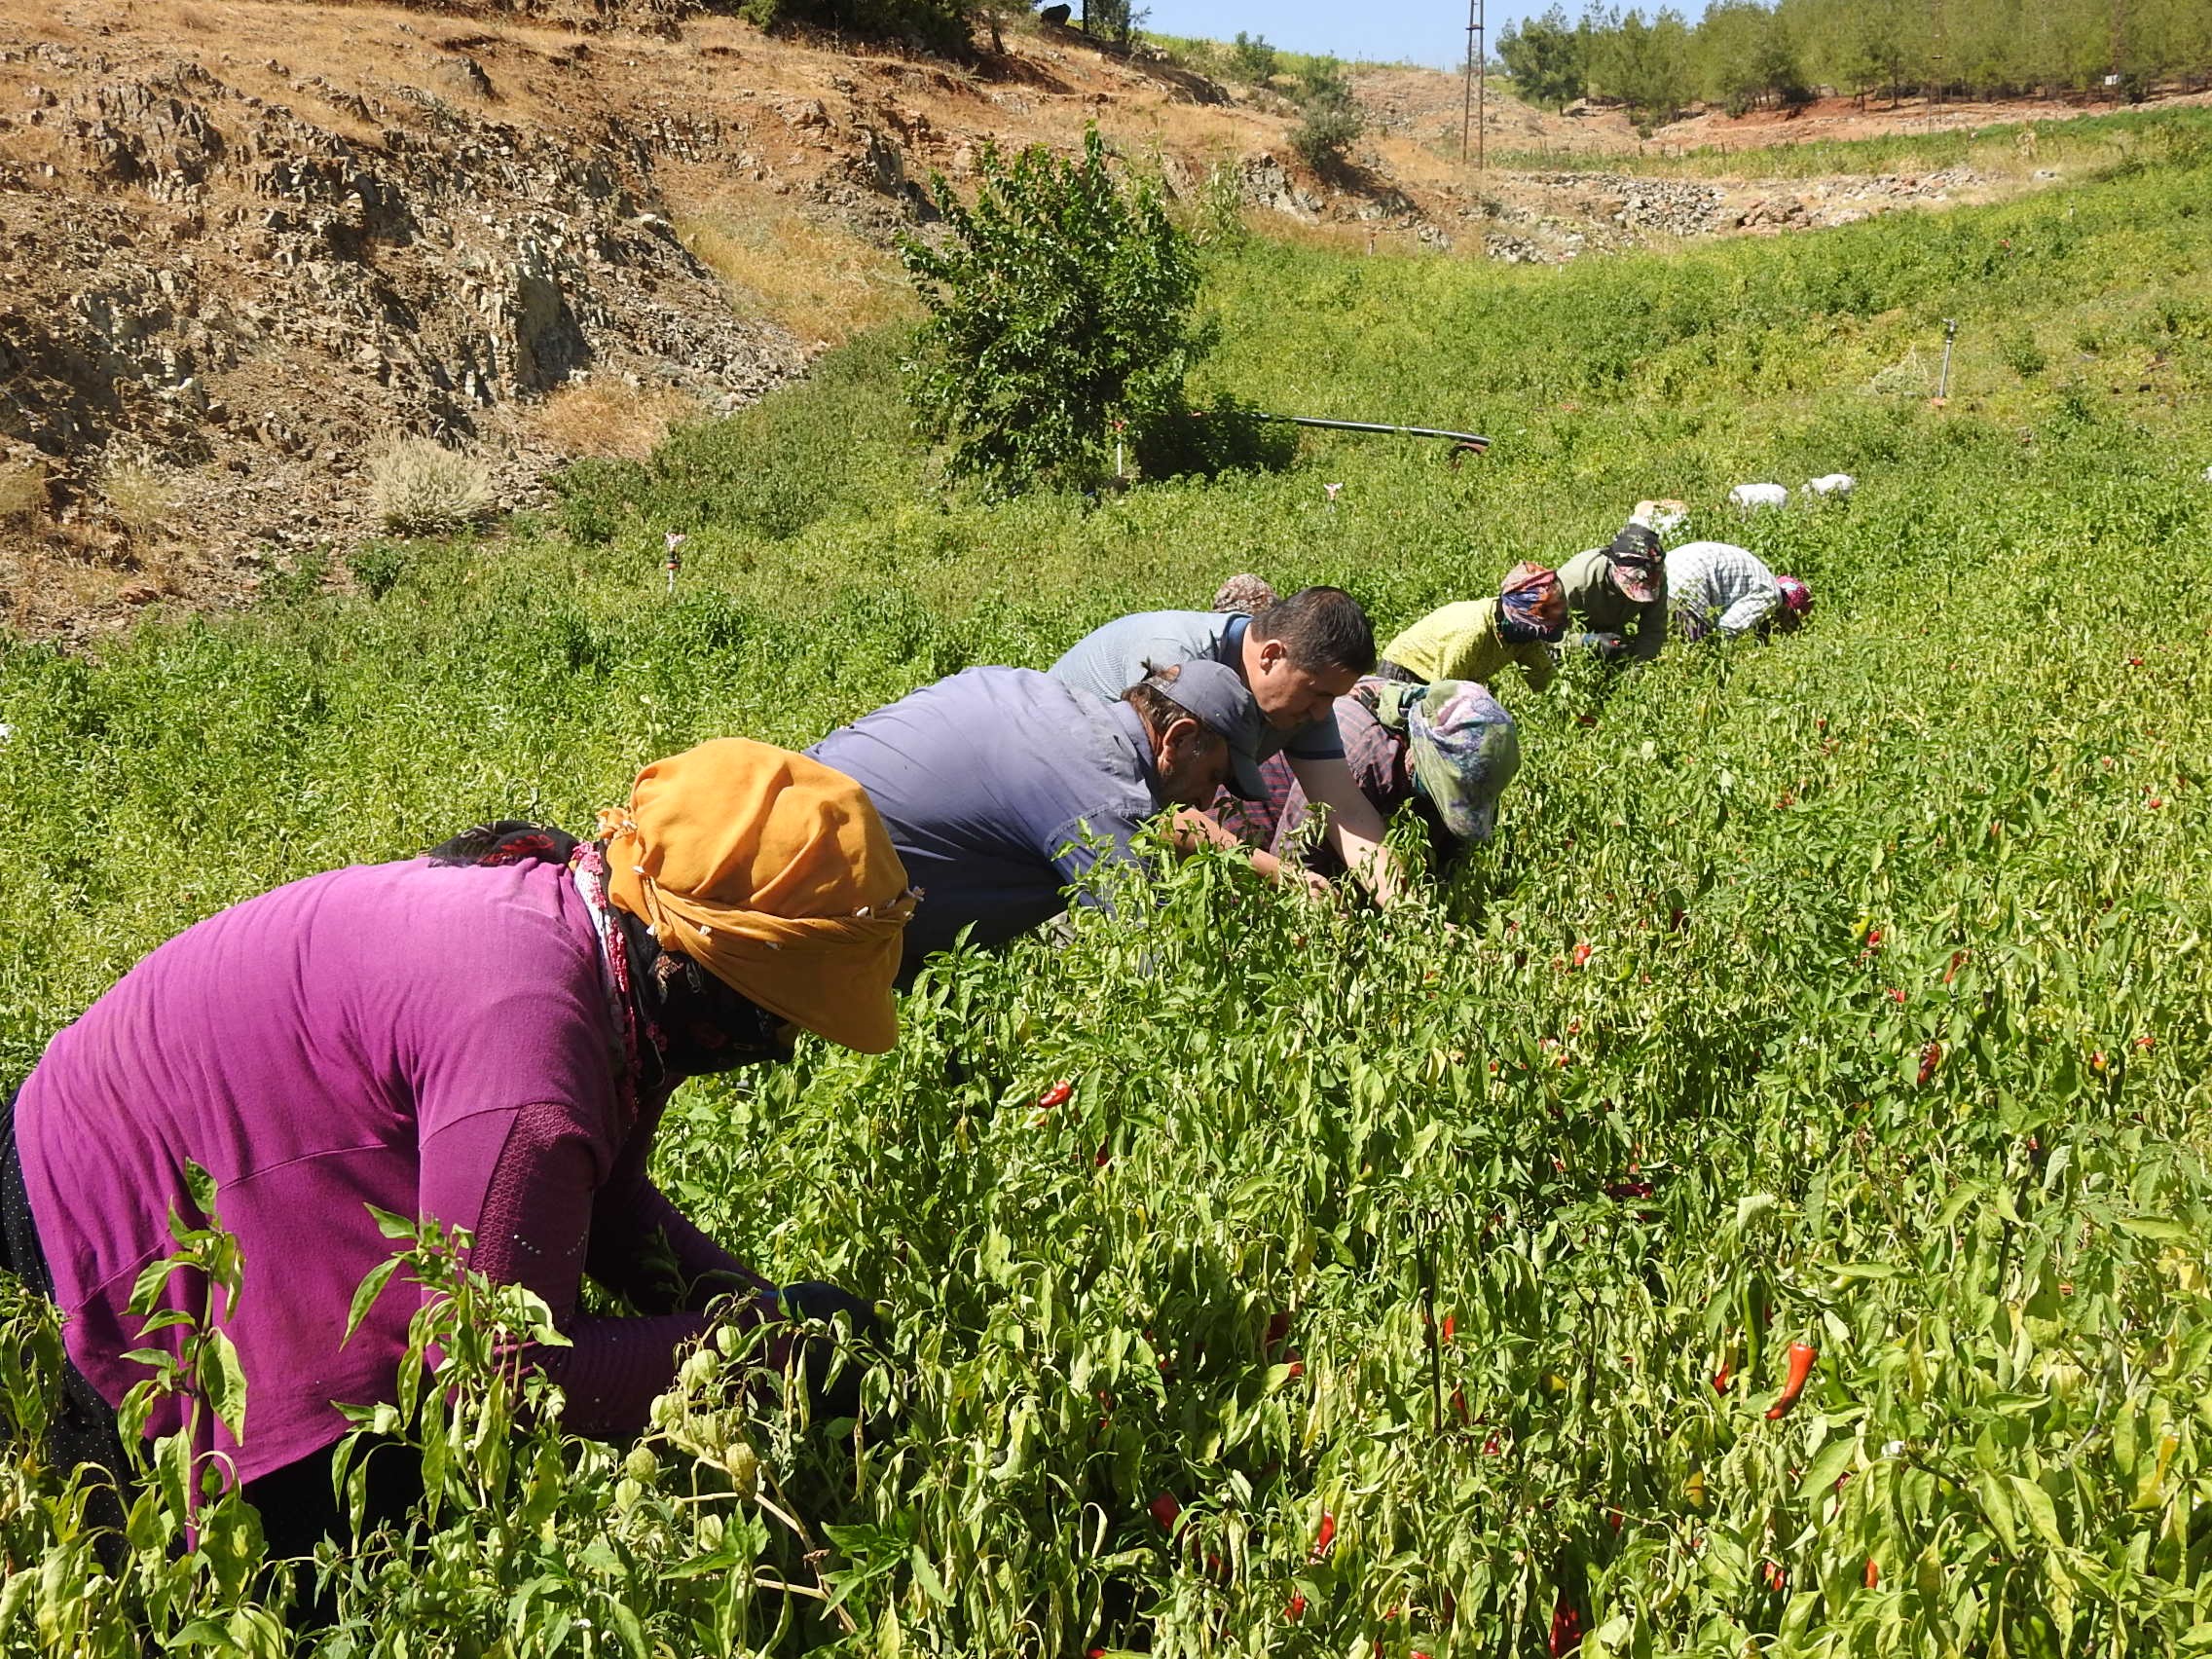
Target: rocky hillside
{"points": [[246, 245]]}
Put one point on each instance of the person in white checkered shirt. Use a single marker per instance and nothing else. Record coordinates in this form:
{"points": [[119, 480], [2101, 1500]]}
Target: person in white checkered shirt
{"points": [[1717, 585]]}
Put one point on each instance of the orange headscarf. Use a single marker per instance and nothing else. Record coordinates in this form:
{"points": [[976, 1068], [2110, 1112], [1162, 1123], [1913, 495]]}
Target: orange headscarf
{"points": [[774, 873]]}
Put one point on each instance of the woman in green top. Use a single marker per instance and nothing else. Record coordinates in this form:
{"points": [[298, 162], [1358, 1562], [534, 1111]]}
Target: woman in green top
{"points": [[1477, 639]]}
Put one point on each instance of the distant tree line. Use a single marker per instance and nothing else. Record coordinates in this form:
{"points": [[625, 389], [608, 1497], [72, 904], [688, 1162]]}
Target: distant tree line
{"points": [[1742, 53]]}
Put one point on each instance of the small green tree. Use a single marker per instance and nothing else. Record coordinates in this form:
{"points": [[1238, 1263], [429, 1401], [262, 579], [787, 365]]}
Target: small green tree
{"points": [[1252, 59], [1545, 56], [1059, 304], [1115, 20], [1329, 120]]}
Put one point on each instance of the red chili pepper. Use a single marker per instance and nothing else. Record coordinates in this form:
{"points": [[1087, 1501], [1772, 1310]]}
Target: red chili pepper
{"points": [[1167, 1509], [1873, 1573], [1057, 1095], [1447, 1327], [1630, 1189], [1566, 1629], [1326, 1536], [1278, 1329], [1873, 939], [1491, 1449], [1721, 1379], [1582, 955], [1460, 1404], [1931, 1057], [1295, 1611], [1801, 1357], [1775, 1575], [1958, 961]]}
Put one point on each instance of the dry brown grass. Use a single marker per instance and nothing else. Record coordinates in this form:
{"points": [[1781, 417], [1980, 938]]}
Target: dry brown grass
{"points": [[824, 285], [421, 488], [22, 494], [606, 418], [137, 497]]}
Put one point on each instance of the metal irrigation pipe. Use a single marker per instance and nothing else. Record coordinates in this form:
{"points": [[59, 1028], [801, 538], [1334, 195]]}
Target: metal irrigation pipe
{"points": [[1462, 440], [1951, 333]]}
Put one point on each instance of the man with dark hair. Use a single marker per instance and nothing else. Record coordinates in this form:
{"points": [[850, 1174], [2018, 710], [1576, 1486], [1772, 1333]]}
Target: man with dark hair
{"points": [[1297, 657], [1002, 787]]}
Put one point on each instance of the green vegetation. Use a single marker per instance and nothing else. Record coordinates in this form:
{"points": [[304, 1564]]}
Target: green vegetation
{"points": [[1255, 61], [1742, 52], [1329, 121], [2094, 144], [1888, 1038], [1252, 59], [935, 25], [1060, 308]]}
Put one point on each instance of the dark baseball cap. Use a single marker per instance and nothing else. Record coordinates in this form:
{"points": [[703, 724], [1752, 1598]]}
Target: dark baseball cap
{"points": [[1637, 568], [1215, 694]]}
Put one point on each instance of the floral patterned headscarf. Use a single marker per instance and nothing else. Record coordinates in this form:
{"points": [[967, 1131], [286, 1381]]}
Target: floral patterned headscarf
{"points": [[1533, 601]]}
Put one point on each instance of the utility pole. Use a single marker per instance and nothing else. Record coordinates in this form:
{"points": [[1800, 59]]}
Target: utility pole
{"points": [[1475, 91]]}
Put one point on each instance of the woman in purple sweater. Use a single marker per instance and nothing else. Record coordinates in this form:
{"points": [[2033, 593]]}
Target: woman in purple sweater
{"points": [[486, 1037]]}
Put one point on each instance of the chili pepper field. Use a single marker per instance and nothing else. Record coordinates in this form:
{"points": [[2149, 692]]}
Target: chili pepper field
{"points": [[1378, 1284]]}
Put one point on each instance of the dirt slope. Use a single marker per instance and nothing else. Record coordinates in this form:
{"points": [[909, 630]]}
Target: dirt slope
{"points": [[245, 244]]}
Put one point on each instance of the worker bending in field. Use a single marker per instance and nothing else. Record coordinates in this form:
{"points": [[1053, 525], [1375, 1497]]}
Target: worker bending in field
{"points": [[1616, 597], [1449, 749], [1297, 656], [486, 1038], [1479, 638], [1719, 587], [1002, 787]]}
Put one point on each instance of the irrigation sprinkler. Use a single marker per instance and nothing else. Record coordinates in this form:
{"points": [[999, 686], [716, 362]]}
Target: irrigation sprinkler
{"points": [[1944, 380], [673, 540]]}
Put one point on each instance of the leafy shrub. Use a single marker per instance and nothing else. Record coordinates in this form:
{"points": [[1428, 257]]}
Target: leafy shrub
{"points": [[1329, 120], [377, 566], [421, 488], [1115, 20], [941, 26], [2019, 351], [1252, 59], [1060, 303], [1546, 57], [1217, 218], [300, 577]]}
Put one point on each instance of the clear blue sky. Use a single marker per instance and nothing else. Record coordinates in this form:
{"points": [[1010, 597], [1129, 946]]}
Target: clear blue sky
{"points": [[1433, 32]]}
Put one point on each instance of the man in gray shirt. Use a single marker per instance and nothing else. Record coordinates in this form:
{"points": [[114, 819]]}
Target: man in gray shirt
{"points": [[1297, 657], [1002, 787]]}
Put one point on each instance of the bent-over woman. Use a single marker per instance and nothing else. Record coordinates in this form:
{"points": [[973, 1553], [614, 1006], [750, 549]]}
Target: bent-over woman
{"points": [[485, 1035]]}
